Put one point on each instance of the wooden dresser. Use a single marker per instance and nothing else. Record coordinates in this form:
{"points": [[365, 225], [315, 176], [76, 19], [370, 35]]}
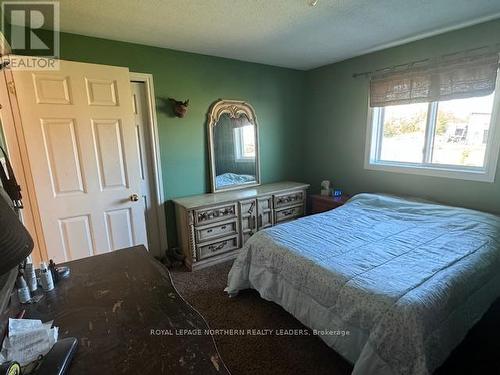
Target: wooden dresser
{"points": [[213, 227], [322, 203]]}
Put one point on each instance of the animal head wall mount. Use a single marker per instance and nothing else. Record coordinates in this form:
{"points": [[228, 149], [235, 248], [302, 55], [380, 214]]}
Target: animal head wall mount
{"points": [[180, 108]]}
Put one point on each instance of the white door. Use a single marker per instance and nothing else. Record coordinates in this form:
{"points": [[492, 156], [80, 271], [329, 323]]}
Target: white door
{"points": [[78, 124], [142, 127]]}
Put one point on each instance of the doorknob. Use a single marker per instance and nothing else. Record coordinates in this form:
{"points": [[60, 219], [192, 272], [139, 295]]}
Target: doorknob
{"points": [[134, 197]]}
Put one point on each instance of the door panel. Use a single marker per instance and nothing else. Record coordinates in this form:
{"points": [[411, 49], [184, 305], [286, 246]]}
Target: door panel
{"points": [[108, 144], [119, 228], [80, 132], [61, 148], [51, 89], [76, 237], [101, 92]]}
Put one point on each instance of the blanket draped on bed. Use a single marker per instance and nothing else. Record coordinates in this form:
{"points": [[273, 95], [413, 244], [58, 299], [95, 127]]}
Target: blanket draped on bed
{"points": [[407, 279]]}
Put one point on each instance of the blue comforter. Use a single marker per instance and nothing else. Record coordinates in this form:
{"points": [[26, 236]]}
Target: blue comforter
{"points": [[392, 284]]}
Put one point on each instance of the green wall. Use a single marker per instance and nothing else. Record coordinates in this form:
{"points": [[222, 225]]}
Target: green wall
{"points": [[275, 93], [337, 121]]}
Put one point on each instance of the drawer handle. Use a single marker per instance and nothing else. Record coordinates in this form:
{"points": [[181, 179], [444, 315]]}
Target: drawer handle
{"points": [[213, 248], [209, 215], [224, 211], [289, 198], [288, 212], [211, 230]]}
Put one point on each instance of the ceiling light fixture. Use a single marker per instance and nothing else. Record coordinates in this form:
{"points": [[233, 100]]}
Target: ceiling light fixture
{"points": [[313, 2]]}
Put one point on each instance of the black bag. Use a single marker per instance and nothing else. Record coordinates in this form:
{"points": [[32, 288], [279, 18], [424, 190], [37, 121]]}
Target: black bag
{"points": [[9, 182], [15, 241]]}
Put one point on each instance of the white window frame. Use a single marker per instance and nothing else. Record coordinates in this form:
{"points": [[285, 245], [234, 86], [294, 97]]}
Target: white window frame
{"points": [[485, 174], [238, 143]]}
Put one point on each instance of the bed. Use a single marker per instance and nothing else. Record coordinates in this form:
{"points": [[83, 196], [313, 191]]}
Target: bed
{"points": [[391, 284]]}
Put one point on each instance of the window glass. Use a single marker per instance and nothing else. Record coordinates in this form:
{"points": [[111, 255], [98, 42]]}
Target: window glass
{"points": [[248, 142], [403, 136], [244, 142], [462, 129]]}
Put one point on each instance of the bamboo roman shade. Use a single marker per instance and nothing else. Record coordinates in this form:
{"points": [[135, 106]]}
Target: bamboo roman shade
{"points": [[449, 79]]}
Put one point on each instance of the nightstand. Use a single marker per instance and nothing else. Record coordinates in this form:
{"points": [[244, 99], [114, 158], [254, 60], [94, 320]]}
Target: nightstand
{"points": [[322, 203]]}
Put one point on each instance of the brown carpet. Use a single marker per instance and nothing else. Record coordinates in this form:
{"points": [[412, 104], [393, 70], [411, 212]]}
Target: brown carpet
{"points": [[305, 355]]}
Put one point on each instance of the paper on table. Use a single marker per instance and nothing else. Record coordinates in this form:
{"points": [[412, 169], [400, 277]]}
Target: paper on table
{"points": [[27, 339], [22, 325]]}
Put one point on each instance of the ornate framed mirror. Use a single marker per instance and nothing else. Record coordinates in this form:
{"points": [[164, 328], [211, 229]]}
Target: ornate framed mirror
{"points": [[233, 145]]}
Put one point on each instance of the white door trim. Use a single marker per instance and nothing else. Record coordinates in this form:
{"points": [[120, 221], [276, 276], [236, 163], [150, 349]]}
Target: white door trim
{"points": [[155, 151], [17, 149]]}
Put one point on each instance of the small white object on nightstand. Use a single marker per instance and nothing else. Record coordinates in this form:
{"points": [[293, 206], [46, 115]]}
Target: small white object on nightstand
{"points": [[325, 187]]}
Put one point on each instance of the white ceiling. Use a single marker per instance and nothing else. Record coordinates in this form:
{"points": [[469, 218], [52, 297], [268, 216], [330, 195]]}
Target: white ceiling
{"points": [[288, 33]]}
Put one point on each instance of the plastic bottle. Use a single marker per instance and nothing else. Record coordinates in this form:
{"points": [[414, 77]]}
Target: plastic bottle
{"points": [[22, 290], [29, 274], [46, 278]]}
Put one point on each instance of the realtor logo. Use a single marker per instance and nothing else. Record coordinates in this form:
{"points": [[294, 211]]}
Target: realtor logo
{"points": [[31, 28]]}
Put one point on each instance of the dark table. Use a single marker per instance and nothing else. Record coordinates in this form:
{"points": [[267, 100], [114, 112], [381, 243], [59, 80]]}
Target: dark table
{"points": [[128, 318]]}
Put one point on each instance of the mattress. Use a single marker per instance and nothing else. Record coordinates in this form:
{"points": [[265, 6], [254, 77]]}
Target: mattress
{"points": [[391, 284]]}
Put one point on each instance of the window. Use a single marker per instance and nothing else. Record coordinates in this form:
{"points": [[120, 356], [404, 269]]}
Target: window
{"points": [[454, 138], [244, 141]]}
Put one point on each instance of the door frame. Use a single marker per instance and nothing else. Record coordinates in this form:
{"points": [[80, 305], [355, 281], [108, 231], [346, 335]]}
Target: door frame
{"points": [[16, 144], [18, 155], [154, 150]]}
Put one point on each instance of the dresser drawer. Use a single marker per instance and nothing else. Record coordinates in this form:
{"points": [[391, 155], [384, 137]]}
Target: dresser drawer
{"points": [[289, 199], [218, 247], [214, 214], [288, 213], [207, 233]]}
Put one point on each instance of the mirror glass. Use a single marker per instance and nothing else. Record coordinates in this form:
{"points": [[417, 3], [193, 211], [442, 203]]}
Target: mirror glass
{"points": [[234, 151]]}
